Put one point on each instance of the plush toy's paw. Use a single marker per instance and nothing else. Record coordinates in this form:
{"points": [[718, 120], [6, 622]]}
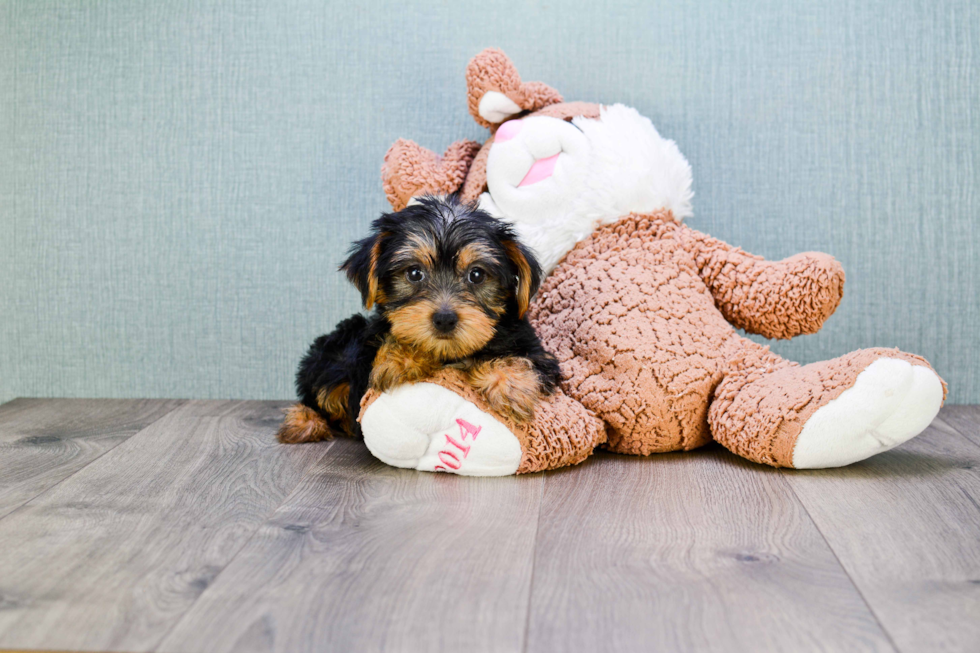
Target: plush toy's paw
{"points": [[426, 427], [890, 402]]}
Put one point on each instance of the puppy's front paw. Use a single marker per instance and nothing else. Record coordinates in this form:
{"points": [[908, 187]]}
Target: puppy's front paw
{"points": [[396, 364], [426, 427], [510, 386]]}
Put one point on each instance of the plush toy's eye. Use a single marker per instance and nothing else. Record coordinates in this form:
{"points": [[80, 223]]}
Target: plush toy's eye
{"points": [[476, 276], [414, 274]]}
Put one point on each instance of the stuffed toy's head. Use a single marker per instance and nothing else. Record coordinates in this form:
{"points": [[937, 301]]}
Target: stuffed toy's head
{"points": [[555, 170]]}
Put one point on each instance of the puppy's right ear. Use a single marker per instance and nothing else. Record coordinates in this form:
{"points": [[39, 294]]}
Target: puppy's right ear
{"points": [[361, 267], [528, 274]]}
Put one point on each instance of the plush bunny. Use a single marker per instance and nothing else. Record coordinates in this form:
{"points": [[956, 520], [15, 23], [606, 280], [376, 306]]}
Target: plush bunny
{"points": [[640, 309]]}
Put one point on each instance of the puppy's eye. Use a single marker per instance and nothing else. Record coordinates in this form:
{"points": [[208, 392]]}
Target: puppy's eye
{"points": [[476, 276], [414, 274]]}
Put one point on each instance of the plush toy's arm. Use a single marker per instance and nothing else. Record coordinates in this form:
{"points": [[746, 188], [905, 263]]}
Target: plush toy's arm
{"points": [[775, 299]]}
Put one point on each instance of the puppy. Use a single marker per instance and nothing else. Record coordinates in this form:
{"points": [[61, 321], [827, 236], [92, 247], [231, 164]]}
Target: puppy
{"points": [[450, 286]]}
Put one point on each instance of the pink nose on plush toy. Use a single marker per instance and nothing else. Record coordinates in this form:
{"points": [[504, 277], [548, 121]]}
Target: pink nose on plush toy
{"points": [[507, 131], [541, 170]]}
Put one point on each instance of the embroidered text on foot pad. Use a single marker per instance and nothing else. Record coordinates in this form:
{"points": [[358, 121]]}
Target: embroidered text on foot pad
{"points": [[427, 427]]}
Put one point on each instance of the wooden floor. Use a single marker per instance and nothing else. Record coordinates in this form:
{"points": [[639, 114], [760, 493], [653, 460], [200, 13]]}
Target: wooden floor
{"points": [[150, 525]]}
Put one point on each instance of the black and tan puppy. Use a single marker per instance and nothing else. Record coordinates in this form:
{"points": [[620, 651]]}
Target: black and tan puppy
{"points": [[450, 286]]}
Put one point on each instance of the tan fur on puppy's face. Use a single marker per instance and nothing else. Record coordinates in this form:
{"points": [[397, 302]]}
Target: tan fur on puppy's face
{"points": [[445, 287], [472, 255], [412, 324]]}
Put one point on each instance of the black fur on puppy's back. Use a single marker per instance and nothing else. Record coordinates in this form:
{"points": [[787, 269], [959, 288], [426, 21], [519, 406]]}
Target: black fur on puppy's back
{"points": [[341, 357]]}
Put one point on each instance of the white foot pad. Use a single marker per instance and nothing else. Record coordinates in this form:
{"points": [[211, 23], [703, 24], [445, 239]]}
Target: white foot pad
{"points": [[890, 402], [427, 427]]}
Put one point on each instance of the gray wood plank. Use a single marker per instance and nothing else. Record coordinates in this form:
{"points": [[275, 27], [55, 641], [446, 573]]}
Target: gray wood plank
{"points": [[698, 551], [111, 558], [965, 419], [906, 526], [44, 441], [366, 557]]}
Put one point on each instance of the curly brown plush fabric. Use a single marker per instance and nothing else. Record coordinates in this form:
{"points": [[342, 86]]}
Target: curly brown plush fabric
{"points": [[492, 70], [642, 315], [476, 178], [780, 299], [410, 170], [636, 314], [760, 408], [562, 432], [637, 333]]}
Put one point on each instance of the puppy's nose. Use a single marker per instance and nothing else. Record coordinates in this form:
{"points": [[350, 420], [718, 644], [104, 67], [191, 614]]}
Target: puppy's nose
{"points": [[445, 321]]}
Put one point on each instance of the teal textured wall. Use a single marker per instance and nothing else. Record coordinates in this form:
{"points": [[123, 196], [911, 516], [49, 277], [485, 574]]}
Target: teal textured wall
{"points": [[179, 180]]}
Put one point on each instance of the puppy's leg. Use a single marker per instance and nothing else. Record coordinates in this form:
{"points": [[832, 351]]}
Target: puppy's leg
{"points": [[334, 364], [396, 364], [303, 424], [511, 386]]}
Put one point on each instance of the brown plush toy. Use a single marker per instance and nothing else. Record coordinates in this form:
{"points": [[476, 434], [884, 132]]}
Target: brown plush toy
{"points": [[640, 309]]}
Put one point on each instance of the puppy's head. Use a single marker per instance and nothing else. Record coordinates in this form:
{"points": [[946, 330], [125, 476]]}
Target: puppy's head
{"points": [[444, 273]]}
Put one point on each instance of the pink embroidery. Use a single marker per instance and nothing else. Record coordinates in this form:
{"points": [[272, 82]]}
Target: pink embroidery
{"points": [[450, 459], [465, 448], [465, 428], [445, 455]]}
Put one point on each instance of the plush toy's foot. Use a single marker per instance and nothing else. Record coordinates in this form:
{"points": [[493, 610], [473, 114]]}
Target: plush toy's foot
{"points": [[891, 402], [825, 414], [427, 427]]}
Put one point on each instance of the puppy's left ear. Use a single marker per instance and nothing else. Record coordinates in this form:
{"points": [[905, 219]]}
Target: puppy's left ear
{"points": [[528, 274], [361, 267]]}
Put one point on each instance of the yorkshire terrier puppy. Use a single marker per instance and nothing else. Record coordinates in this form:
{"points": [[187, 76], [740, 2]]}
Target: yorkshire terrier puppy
{"points": [[450, 286]]}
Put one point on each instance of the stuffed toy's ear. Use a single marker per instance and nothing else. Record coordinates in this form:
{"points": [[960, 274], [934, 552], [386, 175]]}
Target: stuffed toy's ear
{"points": [[528, 274], [495, 92], [361, 267], [410, 170]]}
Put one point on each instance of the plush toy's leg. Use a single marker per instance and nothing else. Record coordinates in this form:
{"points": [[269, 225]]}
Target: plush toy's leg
{"points": [[444, 426], [826, 414]]}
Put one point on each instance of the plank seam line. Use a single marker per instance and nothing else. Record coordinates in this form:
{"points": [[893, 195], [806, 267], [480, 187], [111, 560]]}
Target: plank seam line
{"points": [[857, 588], [85, 466], [265, 518], [534, 564]]}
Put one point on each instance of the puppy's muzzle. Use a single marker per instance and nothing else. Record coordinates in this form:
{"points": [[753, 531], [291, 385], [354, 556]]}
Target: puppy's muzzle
{"points": [[445, 321]]}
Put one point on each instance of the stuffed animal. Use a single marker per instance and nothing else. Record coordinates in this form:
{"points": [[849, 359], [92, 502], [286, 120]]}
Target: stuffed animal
{"points": [[641, 310]]}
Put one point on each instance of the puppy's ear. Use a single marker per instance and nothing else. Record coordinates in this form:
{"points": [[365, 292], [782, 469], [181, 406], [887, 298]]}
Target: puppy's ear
{"points": [[528, 274], [361, 267]]}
